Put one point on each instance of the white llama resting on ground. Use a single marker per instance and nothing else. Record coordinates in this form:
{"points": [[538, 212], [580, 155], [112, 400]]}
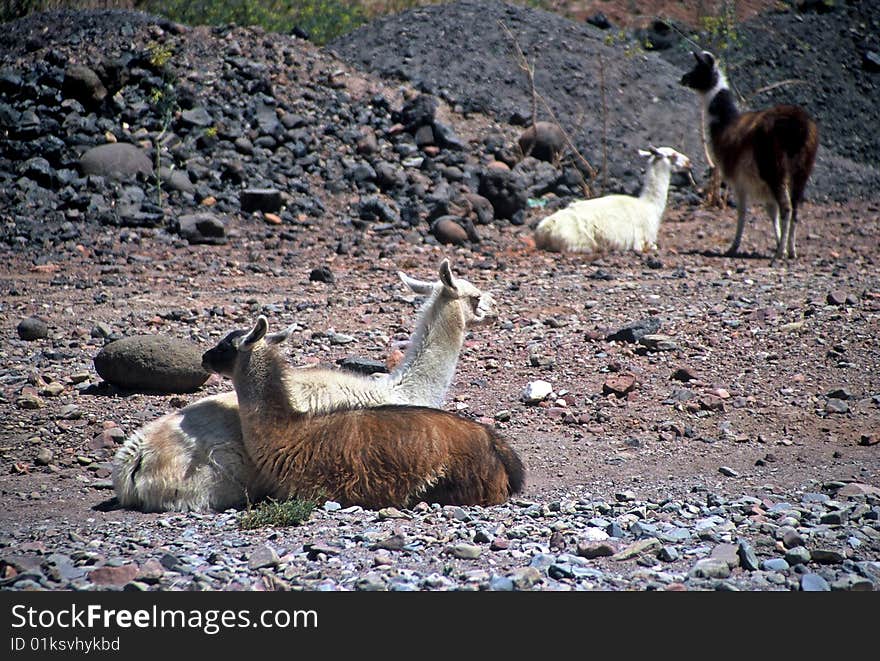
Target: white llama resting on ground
{"points": [[766, 156], [193, 459], [615, 222], [376, 457]]}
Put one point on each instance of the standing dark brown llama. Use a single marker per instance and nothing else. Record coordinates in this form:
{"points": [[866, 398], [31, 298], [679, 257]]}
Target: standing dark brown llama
{"points": [[374, 457], [766, 156]]}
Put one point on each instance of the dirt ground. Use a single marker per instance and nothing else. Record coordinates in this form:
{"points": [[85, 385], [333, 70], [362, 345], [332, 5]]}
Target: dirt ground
{"points": [[764, 344]]}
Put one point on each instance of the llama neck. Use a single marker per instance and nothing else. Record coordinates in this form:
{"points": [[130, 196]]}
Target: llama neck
{"points": [[720, 107], [656, 187], [260, 385], [428, 367]]}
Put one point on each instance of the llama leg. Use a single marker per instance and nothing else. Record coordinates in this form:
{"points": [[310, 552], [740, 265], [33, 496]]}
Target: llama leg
{"points": [[741, 206], [792, 251], [773, 212], [786, 217]]}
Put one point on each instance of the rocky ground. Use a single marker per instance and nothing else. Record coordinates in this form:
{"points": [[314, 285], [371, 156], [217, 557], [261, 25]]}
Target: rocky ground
{"points": [[737, 450]]}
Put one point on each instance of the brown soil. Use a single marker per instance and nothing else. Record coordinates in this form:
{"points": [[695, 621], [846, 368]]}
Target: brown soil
{"points": [[765, 339]]}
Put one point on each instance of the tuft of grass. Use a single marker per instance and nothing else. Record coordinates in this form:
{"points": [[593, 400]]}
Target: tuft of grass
{"points": [[276, 513]]}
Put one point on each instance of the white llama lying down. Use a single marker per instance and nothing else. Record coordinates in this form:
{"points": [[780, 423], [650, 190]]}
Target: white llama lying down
{"points": [[615, 222], [194, 459]]}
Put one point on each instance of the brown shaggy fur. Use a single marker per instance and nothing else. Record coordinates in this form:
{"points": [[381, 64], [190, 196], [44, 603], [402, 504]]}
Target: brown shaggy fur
{"points": [[766, 156], [376, 457]]}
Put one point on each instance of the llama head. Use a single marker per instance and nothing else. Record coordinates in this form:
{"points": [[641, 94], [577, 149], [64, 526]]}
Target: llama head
{"points": [[676, 160], [221, 359], [705, 75], [476, 306]]}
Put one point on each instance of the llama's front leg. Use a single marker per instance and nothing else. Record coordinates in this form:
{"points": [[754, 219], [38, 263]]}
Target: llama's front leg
{"points": [[741, 206], [785, 237]]}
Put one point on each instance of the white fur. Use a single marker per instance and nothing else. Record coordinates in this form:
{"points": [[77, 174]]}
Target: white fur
{"points": [[614, 222], [194, 459]]}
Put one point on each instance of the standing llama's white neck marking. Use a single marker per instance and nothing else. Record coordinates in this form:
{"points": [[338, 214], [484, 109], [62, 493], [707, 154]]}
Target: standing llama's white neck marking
{"points": [[425, 374], [720, 85]]}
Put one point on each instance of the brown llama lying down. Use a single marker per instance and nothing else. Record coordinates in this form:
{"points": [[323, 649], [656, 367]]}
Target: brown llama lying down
{"points": [[393, 455], [766, 156], [193, 459]]}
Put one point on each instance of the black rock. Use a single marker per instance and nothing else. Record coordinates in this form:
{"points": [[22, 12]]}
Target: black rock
{"points": [[446, 137], [372, 208], [322, 274], [260, 199], [418, 112], [657, 36], [635, 331], [31, 328], [504, 190], [600, 20], [871, 61], [84, 85], [202, 228], [817, 6], [196, 117], [39, 170], [839, 393], [389, 176], [424, 136]]}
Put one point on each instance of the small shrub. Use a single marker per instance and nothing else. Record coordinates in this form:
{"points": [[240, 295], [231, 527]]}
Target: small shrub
{"points": [[322, 20], [276, 513]]}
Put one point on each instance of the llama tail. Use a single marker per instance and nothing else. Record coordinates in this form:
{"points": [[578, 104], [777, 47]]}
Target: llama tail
{"points": [[516, 472], [126, 464]]}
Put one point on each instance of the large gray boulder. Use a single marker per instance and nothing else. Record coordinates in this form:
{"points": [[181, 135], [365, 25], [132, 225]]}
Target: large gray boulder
{"points": [[202, 228], [152, 363], [117, 160]]}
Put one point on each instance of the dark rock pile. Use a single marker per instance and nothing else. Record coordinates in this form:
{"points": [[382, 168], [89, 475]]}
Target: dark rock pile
{"points": [[120, 119], [460, 52]]}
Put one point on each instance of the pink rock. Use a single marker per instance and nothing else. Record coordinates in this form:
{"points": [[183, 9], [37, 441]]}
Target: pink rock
{"points": [[116, 576]]}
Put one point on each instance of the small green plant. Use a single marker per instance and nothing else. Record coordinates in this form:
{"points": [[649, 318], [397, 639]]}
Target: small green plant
{"points": [[211, 132], [631, 48], [164, 100], [322, 20], [160, 55], [721, 31], [276, 513]]}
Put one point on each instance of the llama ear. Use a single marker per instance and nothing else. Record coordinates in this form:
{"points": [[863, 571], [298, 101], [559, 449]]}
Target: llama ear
{"points": [[280, 336], [707, 58], [417, 286], [256, 333], [446, 276], [656, 152], [644, 153]]}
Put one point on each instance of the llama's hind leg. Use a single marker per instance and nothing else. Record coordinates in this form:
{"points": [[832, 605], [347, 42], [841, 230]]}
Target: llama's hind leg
{"points": [[742, 205], [792, 250], [773, 211], [786, 217]]}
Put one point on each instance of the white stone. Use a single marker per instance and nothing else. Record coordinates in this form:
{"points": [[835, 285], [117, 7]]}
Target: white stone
{"points": [[536, 391], [594, 535]]}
